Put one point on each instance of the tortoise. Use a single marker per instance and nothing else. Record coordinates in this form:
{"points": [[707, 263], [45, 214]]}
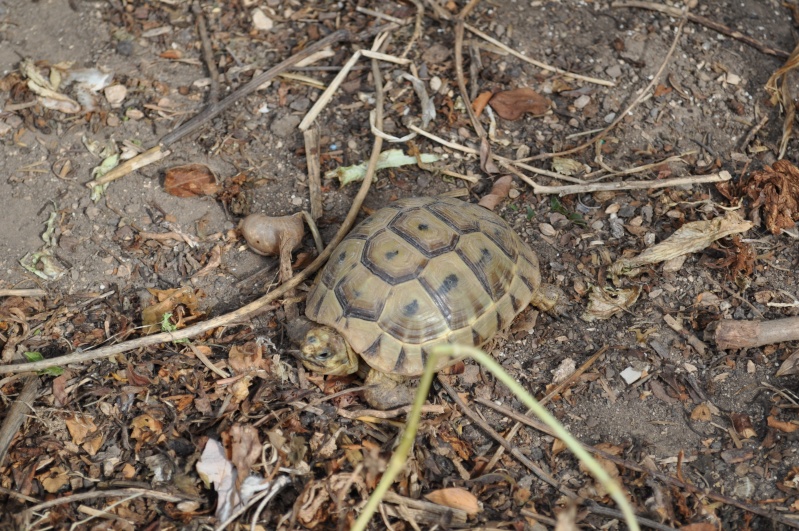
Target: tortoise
{"points": [[418, 273]]}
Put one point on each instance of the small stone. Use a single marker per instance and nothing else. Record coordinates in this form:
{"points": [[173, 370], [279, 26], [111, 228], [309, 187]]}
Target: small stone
{"points": [[610, 117], [513, 193], [115, 95], [285, 126], [436, 83], [301, 104], [134, 114], [125, 48], [296, 201], [733, 79], [582, 101], [260, 21], [614, 71], [112, 120], [547, 229], [630, 375]]}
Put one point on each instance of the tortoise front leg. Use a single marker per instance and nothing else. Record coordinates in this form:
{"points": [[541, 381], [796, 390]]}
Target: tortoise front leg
{"points": [[387, 391]]}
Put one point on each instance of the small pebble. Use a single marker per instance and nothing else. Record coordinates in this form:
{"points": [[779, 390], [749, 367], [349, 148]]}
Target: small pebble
{"points": [[582, 101], [614, 71], [260, 21], [435, 83]]}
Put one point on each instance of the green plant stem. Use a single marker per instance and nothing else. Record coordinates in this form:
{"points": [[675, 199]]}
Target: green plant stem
{"points": [[400, 456]]}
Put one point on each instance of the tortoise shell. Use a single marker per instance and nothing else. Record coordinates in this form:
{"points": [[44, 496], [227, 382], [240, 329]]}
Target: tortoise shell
{"points": [[422, 272]]}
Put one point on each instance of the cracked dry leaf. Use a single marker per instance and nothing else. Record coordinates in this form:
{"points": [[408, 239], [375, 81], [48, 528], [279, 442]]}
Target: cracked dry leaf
{"points": [[689, 238], [604, 303], [168, 301], [55, 479], [79, 427], [190, 180], [775, 188]]}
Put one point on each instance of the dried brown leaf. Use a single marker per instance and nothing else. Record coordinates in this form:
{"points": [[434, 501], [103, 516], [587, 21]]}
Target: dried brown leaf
{"points": [[79, 427], [245, 449], [743, 425], [246, 358], [776, 189], [701, 413], [168, 302], [486, 162], [190, 180], [513, 104], [498, 192], [480, 102], [455, 498], [785, 427]]}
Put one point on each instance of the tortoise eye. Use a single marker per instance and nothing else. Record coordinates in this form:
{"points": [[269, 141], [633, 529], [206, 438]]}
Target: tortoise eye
{"points": [[311, 340]]}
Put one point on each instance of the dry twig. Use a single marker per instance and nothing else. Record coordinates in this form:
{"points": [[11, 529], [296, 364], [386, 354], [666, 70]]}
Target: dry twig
{"points": [[734, 334]]}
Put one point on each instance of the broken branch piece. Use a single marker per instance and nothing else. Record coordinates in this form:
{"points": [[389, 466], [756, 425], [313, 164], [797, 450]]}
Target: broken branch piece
{"points": [[732, 334]]}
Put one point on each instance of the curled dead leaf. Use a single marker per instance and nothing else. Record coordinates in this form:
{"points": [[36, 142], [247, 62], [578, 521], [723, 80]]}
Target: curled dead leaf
{"points": [[513, 104], [775, 189], [455, 498], [169, 301], [604, 303], [190, 180]]}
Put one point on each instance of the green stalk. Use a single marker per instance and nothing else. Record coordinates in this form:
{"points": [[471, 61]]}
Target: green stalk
{"points": [[398, 460]]}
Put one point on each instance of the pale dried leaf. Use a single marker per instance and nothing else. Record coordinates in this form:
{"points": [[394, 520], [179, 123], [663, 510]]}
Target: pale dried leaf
{"points": [[689, 238], [455, 498], [604, 303], [790, 365]]}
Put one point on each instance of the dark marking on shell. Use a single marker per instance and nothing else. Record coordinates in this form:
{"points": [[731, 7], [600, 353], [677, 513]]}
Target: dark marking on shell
{"points": [[515, 303], [373, 349], [390, 255], [450, 283], [400, 361], [410, 309]]}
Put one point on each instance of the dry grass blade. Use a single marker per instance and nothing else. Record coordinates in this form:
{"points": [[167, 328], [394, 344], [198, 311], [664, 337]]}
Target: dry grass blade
{"points": [[779, 87]]}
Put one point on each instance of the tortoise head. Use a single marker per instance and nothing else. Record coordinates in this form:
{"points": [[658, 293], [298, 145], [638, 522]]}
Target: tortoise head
{"points": [[324, 351]]}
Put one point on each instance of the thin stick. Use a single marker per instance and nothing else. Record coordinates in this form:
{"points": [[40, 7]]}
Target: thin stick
{"points": [[557, 390], [535, 469], [712, 24], [327, 95], [23, 293], [665, 478], [203, 358], [539, 64], [208, 52], [633, 185], [17, 413], [311, 136], [94, 494], [388, 414], [478, 127], [211, 111], [245, 311], [641, 96]]}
